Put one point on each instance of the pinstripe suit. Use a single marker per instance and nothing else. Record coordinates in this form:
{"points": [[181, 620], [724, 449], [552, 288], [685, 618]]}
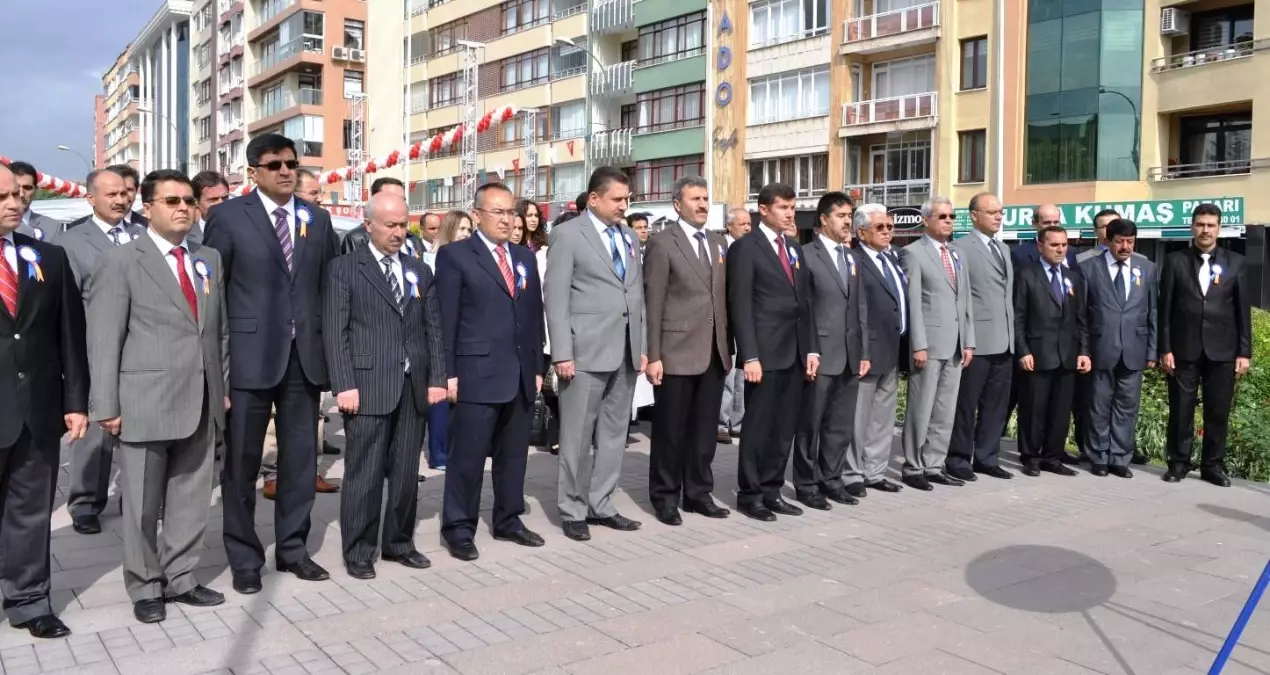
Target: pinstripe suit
{"points": [[370, 341], [162, 371]]}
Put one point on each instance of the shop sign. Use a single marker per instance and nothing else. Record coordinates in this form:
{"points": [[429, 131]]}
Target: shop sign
{"points": [[1154, 214]]}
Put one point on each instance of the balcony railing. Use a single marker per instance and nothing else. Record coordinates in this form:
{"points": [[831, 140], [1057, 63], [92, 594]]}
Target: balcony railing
{"points": [[891, 193], [1233, 167], [566, 12], [1202, 57], [611, 16], [613, 145], [613, 80], [893, 109], [270, 9], [288, 51], [890, 23], [289, 100], [417, 7]]}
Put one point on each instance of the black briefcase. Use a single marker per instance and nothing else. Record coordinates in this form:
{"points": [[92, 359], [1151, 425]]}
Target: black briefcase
{"points": [[543, 430]]}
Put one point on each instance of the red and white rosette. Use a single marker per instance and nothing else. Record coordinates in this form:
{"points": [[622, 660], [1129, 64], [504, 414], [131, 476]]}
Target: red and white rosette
{"points": [[47, 182]]}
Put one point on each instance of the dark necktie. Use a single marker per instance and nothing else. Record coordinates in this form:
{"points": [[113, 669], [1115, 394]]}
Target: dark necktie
{"points": [[703, 254], [283, 231], [1056, 284], [392, 281], [1119, 282], [843, 269], [116, 235], [619, 267], [783, 254], [996, 250], [187, 286]]}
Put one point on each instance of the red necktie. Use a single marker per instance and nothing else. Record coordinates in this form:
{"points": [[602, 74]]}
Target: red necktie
{"points": [[187, 287], [784, 256], [506, 269], [8, 282], [948, 265]]}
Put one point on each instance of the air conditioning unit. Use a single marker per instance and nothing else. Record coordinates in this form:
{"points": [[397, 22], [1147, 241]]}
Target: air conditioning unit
{"points": [[1174, 22], [340, 53], [358, 55]]}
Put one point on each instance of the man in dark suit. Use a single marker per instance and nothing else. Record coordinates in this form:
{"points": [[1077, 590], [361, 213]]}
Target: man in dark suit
{"points": [[769, 304], [1205, 341], [1122, 290], [35, 225], [275, 249], [44, 383], [131, 182], [689, 354], [382, 331], [492, 320], [210, 189], [1051, 344], [827, 419]]}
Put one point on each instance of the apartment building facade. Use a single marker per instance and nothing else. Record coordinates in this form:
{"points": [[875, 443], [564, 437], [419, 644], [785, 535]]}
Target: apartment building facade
{"points": [[119, 135], [161, 53]]}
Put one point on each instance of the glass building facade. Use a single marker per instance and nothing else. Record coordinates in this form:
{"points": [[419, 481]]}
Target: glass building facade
{"points": [[1084, 90]]}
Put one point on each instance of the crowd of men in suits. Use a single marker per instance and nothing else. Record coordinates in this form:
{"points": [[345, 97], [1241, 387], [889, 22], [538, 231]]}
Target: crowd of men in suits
{"points": [[152, 338]]}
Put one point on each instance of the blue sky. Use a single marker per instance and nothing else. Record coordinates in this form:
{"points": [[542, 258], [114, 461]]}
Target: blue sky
{"points": [[54, 63]]}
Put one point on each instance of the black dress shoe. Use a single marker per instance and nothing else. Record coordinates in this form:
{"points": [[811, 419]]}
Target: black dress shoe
{"points": [[885, 485], [149, 611], [707, 508], [1176, 473], [1215, 476], [782, 507], [994, 471], [757, 511], [88, 524], [48, 627], [1138, 458], [812, 500], [844, 496], [360, 570], [857, 490], [945, 479], [1058, 467], [962, 474], [576, 530], [1099, 470], [199, 596], [463, 550], [918, 482], [1122, 471], [522, 537], [305, 570], [412, 559], [247, 583], [670, 516], [617, 522], [1031, 468]]}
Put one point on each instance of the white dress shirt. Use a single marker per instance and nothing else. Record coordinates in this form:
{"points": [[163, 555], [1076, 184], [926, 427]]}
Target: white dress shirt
{"points": [[396, 268], [770, 235], [105, 227], [165, 249], [1112, 268], [601, 229], [882, 263], [271, 206], [990, 244], [832, 247], [691, 233], [10, 252]]}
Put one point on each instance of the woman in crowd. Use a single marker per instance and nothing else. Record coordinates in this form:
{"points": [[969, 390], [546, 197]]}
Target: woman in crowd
{"points": [[518, 230], [535, 228], [455, 226]]}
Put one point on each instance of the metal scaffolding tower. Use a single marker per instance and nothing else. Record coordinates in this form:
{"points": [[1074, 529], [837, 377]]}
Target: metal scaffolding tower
{"points": [[467, 156], [356, 144], [530, 188]]}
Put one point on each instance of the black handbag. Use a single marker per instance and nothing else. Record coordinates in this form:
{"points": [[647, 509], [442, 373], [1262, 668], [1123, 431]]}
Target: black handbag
{"points": [[543, 424]]}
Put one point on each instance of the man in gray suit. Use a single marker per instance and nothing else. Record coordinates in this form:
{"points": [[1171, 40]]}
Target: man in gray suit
{"points": [[732, 409], [942, 342], [158, 354], [595, 318], [1122, 289], [92, 455], [826, 420], [33, 224], [984, 395]]}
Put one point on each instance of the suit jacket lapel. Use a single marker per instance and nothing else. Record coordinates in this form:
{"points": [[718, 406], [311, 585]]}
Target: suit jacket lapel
{"points": [[689, 252], [485, 259], [600, 245], [264, 226], [26, 280], [153, 263], [409, 264], [201, 297], [871, 267], [829, 259], [374, 273]]}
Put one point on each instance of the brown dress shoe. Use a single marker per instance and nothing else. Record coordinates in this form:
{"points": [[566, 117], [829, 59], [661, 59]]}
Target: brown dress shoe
{"points": [[270, 491], [325, 487]]}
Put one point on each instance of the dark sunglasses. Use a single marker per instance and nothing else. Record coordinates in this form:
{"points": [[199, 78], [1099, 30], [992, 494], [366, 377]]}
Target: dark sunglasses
{"points": [[176, 201], [944, 216], [277, 165], [884, 227]]}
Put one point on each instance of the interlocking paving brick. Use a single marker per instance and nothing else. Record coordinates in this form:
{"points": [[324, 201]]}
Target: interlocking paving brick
{"points": [[680, 655]]}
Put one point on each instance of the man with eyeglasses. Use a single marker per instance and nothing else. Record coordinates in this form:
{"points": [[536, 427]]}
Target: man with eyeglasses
{"points": [[157, 349], [92, 456], [275, 249], [1028, 253], [210, 189]]}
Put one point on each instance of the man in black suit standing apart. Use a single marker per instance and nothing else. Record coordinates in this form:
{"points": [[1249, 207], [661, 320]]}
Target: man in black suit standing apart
{"points": [[275, 249], [1205, 341], [1051, 343], [769, 305], [382, 333], [492, 320], [41, 325]]}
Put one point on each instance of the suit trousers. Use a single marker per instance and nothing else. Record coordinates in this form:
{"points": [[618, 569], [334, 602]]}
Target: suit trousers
{"points": [[732, 408], [1113, 415], [874, 428], [1217, 378], [595, 411], [28, 479], [929, 415], [826, 425], [1045, 413], [92, 459], [438, 436], [379, 448], [498, 431], [982, 411], [684, 437], [296, 401], [173, 478], [773, 406]]}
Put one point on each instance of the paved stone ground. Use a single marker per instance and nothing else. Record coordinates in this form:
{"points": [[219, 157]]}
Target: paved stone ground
{"points": [[1043, 576]]}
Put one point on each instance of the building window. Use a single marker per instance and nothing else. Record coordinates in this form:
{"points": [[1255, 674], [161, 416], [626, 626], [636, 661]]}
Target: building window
{"points": [[519, 15], [674, 108], [974, 63], [348, 134], [512, 132], [517, 181], [973, 151], [789, 96], [630, 50], [313, 24], [808, 175], [1221, 28], [445, 39], [655, 181], [1215, 144], [354, 33], [567, 61], [426, 136], [903, 77], [568, 179], [775, 21], [568, 120], [352, 82], [672, 40], [442, 193], [525, 70], [445, 90]]}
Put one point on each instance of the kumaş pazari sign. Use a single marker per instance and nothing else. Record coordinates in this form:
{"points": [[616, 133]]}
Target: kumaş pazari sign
{"points": [[1155, 214]]}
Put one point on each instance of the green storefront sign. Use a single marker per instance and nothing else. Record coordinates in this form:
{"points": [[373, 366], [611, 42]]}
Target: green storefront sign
{"points": [[1174, 214]]}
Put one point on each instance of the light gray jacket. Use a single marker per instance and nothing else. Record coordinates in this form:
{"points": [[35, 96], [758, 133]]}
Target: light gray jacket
{"points": [[991, 293], [940, 320]]}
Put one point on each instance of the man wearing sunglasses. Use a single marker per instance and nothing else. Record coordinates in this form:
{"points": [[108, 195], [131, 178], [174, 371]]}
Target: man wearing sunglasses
{"points": [[275, 249]]}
